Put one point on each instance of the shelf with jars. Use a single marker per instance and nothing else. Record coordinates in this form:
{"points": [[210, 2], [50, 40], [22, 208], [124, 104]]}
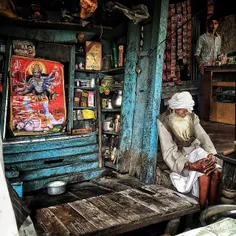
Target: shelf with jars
{"points": [[111, 91], [84, 104], [108, 72]]}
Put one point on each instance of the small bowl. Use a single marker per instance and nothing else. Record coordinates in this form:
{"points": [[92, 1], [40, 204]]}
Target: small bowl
{"points": [[56, 187]]}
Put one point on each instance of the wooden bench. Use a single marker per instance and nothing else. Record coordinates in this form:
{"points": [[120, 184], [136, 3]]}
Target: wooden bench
{"points": [[129, 206]]}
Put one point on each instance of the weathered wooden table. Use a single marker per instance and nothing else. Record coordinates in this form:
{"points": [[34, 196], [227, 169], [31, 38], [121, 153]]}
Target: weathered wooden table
{"points": [[126, 206]]}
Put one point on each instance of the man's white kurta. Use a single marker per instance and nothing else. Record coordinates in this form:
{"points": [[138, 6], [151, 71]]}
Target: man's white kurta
{"points": [[176, 158]]}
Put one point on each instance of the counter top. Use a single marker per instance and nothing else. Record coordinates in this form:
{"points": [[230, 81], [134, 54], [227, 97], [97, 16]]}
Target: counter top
{"points": [[223, 68]]}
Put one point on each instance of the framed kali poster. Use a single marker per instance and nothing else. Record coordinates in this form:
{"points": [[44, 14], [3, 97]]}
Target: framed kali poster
{"points": [[37, 97]]}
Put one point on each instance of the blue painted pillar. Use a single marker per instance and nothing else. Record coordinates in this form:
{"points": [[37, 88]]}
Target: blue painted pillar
{"points": [[142, 91], [150, 133], [129, 93]]}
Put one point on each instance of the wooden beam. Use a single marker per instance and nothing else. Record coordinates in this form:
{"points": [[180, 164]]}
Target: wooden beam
{"points": [[128, 102], [150, 135]]}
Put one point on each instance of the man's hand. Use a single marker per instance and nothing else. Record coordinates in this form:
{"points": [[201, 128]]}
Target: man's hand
{"points": [[201, 69], [205, 165]]}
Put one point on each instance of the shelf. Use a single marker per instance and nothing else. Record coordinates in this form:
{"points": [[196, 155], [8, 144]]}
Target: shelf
{"points": [[55, 25], [87, 71], [110, 164], [84, 108], [112, 71], [84, 88], [116, 87], [80, 54], [111, 110], [224, 83], [111, 132]]}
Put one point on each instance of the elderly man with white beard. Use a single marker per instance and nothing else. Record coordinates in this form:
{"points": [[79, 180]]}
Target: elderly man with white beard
{"points": [[188, 150]]}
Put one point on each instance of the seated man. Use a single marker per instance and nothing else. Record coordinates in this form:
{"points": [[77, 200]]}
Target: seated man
{"points": [[188, 151]]}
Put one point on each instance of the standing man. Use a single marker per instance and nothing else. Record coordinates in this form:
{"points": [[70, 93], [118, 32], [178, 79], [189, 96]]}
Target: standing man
{"points": [[208, 45]]}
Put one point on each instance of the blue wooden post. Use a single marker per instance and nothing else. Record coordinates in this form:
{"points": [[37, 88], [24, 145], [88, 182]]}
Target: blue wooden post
{"points": [[150, 134], [142, 91], [128, 103]]}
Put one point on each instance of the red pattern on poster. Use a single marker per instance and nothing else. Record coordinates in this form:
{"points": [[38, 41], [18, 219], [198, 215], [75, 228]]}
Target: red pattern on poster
{"points": [[37, 101]]}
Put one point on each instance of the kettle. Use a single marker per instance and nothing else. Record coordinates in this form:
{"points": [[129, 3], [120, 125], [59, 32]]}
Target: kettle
{"points": [[108, 124]]}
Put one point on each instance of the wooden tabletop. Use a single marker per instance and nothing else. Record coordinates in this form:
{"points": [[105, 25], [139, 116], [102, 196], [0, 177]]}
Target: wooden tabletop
{"points": [[124, 209]]}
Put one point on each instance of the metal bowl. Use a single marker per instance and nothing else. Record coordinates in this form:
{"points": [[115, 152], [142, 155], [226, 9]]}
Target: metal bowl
{"points": [[215, 213], [56, 187]]}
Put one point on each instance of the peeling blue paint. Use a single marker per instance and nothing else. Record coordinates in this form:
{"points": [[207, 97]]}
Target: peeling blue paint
{"points": [[54, 162], [48, 144], [66, 169], [68, 178], [46, 154], [150, 137], [128, 102]]}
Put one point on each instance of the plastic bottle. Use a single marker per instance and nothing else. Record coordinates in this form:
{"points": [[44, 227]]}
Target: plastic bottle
{"points": [[112, 142], [115, 55], [117, 124]]}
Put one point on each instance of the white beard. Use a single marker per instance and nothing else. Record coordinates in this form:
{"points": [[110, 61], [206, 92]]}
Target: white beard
{"points": [[181, 126]]}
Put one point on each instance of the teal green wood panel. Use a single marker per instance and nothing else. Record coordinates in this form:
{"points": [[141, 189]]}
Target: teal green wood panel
{"points": [[12, 174], [48, 144], [59, 170], [68, 178], [71, 88], [150, 136], [46, 154], [54, 162]]}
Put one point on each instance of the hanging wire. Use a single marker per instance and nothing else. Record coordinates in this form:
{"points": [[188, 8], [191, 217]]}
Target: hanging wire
{"points": [[101, 33], [153, 49]]}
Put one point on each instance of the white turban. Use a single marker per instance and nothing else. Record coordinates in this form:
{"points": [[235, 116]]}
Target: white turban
{"points": [[181, 100]]}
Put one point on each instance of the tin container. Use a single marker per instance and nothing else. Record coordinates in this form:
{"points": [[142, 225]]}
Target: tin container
{"points": [[56, 187]]}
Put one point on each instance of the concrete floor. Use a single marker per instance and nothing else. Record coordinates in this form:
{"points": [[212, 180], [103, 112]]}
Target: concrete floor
{"points": [[222, 135]]}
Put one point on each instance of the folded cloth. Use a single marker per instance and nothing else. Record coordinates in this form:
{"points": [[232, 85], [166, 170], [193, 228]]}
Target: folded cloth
{"points": [[185, 184]]}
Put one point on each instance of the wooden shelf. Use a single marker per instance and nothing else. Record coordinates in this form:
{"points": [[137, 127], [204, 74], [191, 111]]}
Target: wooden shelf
{"points": [[110, 164], [55, 25], [111, 110], [84, 108], [112, 71], [80, 54], [84, 88], [224, 83], [111, 132]]}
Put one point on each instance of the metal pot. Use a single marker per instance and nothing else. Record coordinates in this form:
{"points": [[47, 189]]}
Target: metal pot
{"points": [[56, 187], [214, 213]]}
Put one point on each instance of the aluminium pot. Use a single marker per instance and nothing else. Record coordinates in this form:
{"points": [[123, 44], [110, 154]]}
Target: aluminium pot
{"points": [[56, 187]]}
